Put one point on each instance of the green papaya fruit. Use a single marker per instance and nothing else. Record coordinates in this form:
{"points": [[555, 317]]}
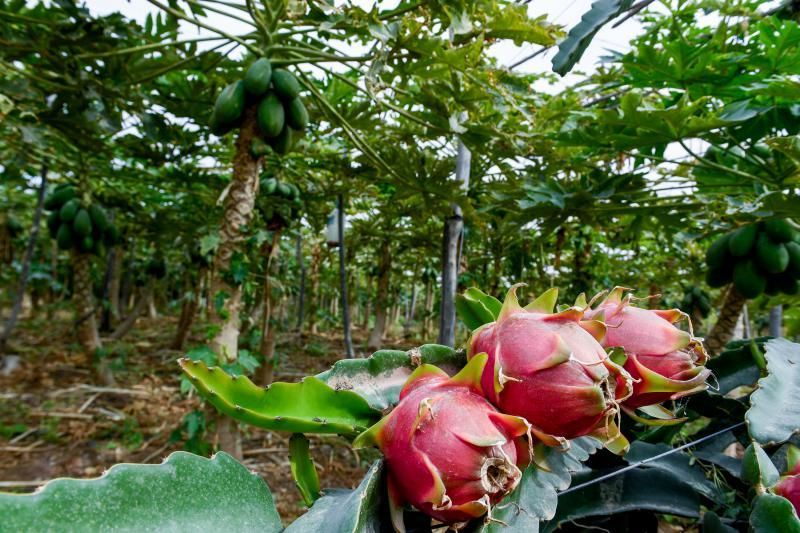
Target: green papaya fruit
{"points": [[742, 240], [82, 225], [295, 191], [258, 147], [64, 237], [771, 257], [86, 244], [268, 186], [99, 248], [270, 117], [772, 288], [296, 114], [258, 77], [779, 230], [53, 221], [283, 142], [59, 197], [718, 254], [230, 103], [69, 210], [217, 127], [284, 190], [285, 84], [787, 284], [99, 218], [748, 280], [793, 249], [719, 277]]}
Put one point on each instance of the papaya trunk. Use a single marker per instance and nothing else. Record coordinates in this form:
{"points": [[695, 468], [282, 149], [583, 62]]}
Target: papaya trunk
{"points": [[775, 320], [26, 265], [722, 331], [139, 307], [453, 229], [238, 209], [382, 297], [426, 321], [85, 320], [268, 326], [191, 303], [316, 297], [301, 295], [115, 283]]}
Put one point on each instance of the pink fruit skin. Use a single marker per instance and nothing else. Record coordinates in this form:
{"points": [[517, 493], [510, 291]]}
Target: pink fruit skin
{"points": [[448, 451], [546, 368], [789, 488], [664, 361]]}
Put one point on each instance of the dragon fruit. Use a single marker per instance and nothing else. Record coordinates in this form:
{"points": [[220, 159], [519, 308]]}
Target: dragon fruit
{"points": [[665, 362], [448, 451], [551, 369], [789, 484]]}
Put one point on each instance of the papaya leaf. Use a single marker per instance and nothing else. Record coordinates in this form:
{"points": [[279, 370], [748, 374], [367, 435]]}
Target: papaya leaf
{"points": [[536, 497], [303, 470], [571, 49], [347, 511], [310, 406], [769, 420], [773, 513], [379, 378], [757, 467], [184, 493]]}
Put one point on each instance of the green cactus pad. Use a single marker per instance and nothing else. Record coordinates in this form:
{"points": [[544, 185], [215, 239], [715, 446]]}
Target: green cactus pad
{"points": [[310, 406]]}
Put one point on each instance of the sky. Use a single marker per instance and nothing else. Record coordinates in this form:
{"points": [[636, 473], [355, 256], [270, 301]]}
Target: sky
{"points": [[566, 13]]}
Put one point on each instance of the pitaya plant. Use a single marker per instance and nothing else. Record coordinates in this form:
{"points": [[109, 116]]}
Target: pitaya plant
{"points": [[551, 369], [666, 363], [448, 451]]}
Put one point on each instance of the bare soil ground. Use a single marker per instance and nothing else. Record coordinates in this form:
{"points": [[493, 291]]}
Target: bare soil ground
{"points": [[55, 421]]}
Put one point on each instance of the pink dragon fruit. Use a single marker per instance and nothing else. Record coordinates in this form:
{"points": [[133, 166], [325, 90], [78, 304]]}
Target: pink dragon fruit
{"points": [[664, 361], [448, 451], [789, 484], [551, 369]]}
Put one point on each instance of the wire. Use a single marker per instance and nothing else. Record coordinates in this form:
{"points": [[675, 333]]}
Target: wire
{"points": [[650, 459]]}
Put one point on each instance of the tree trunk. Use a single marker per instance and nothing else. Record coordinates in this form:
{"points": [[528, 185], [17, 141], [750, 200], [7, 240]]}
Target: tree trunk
{"points": [[114, 282], [85, 320], [152, 312], [367, 306], [775, 321], [138, 309], [427, 321], [410, 311], [722, 331], [316, 297], [126, 288], [26, 264], [268, 325], [191, 303], [348, 340], [238, 210], [301, 295], [382, 296], [447, 314]]}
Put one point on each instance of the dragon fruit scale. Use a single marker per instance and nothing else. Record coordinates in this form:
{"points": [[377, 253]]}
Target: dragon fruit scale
{"points": [[789, 484], [551, 369], [666, 363], [448, 451]]}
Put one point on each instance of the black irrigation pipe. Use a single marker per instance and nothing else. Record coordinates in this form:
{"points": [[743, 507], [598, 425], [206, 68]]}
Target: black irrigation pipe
{"points": [[650, 459]]}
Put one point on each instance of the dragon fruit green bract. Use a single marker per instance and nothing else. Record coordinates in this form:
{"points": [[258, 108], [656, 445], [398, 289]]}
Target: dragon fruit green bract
{"points": [[664, 361], [551, 369], [448, 451], [789, 484]]}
